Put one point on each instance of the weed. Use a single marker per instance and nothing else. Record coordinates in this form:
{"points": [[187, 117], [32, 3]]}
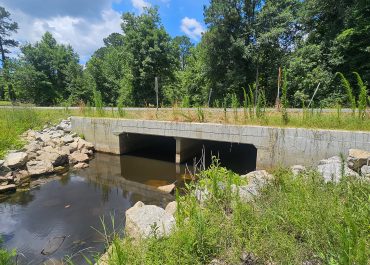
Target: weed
{"points": [[284, 100], [362, 101], [349, 91], [235, 106]]}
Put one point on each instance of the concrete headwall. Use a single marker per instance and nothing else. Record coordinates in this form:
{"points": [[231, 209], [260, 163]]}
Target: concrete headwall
{"points": [[275, 146]]}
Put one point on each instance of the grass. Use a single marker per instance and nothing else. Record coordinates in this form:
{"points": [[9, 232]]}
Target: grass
{"points": [[296, 219], [14, 122], [6, 257], [305, 119]]}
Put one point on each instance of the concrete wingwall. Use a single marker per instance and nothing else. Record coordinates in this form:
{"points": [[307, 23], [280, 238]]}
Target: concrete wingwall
{"points": [[275, 146]]}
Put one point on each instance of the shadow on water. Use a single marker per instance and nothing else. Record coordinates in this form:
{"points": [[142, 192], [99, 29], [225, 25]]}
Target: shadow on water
{"points": [[62, 218]]}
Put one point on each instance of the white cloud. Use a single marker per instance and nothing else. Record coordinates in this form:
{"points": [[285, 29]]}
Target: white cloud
{"points": [[192, 28], [84, 34], [139, 5]]}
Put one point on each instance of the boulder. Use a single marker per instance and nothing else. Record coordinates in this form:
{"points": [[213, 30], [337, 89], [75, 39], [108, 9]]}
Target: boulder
{"points": [[257, 180], [77, 157], [167, 188], [16, 160], [81, 166], [8, 188], [331, 169], [39, 167], [365, 171], [144, 221], [67, 139], [171, 208], [84, 144], [357, 158], [54, 156], [33, 147], [43, 137], [73, 146], [298, 169]]}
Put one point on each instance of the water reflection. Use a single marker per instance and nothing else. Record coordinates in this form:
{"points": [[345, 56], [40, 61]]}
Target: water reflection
{"points": [[72, 207]]}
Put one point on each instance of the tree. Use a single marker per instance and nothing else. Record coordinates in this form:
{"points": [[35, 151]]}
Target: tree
{"points": [[7, 28], [150, 55], [183, 46], [53, 67]]}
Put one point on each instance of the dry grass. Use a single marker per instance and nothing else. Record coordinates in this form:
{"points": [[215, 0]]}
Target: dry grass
{"points": [[307, 119]]}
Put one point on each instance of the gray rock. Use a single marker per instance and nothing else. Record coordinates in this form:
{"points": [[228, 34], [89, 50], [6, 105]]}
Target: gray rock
{"points": [[16, 160], [298, 169], [334, 159], [33, 147], [81, 166], [84, 144], [332, 170], [2, 163], [201, 194], [257, 180], [357, 158], [365, 171], [171, 208], [67, 139], [55, 157], [43, 137], [57, 134], [77, 157], [8, 188], [36, 168], [144, 221]]}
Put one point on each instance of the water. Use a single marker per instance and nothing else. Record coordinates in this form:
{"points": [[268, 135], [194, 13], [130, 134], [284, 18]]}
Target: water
{"points": [[65, 214], [63, 218]]}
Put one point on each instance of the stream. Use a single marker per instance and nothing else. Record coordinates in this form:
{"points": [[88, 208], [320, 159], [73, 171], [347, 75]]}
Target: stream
{"points": [[62, 219]]}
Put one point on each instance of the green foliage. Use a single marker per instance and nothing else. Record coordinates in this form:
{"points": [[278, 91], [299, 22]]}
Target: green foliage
{"points": [[200, 114], [235, 106], [8, 27], [185, 103], [98, 101], [362, 100], [121, 110], [347, 86], [296, 219], [14, 122]]}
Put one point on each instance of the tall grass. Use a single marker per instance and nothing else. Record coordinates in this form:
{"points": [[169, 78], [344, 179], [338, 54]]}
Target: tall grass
{"points": [[362, 99], [347, 86], [14, 122], [295, 220]]}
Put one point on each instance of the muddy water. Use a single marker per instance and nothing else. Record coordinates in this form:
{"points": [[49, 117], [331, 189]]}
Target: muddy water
{"points": [[62, 218]]}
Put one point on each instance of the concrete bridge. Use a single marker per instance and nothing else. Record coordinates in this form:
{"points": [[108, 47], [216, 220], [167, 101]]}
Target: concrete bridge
{"points": [[259, 146]]}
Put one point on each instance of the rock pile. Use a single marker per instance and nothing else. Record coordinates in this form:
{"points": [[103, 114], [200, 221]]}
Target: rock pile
{"points": [[47, 151]]}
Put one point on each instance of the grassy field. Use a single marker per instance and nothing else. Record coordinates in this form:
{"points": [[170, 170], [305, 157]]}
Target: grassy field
{"points": [[14, 122], [295, 220], [306, 119]]}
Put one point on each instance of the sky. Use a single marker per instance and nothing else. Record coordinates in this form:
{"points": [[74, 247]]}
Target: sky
{"points": [[84, 23]]}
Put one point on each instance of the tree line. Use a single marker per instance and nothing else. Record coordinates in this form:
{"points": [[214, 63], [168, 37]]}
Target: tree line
{"points": [[249, 46]]}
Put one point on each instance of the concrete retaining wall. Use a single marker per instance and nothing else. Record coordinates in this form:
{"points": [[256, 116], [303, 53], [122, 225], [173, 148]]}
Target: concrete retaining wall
{"points": [[275, 146]]}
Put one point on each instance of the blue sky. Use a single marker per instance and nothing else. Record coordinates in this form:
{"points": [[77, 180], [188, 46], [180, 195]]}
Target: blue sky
{"points": [[84, 23]]}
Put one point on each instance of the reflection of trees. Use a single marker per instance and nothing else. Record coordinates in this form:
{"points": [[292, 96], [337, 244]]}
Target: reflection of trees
{"points": [[19, 198]]}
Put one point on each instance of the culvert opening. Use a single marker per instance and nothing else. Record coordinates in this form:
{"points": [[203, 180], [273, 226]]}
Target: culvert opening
{"points": [[240, 158], [148, 146]]}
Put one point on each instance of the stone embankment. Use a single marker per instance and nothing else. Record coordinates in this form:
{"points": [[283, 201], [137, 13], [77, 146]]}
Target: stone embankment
{"points": [[51, 150]]}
